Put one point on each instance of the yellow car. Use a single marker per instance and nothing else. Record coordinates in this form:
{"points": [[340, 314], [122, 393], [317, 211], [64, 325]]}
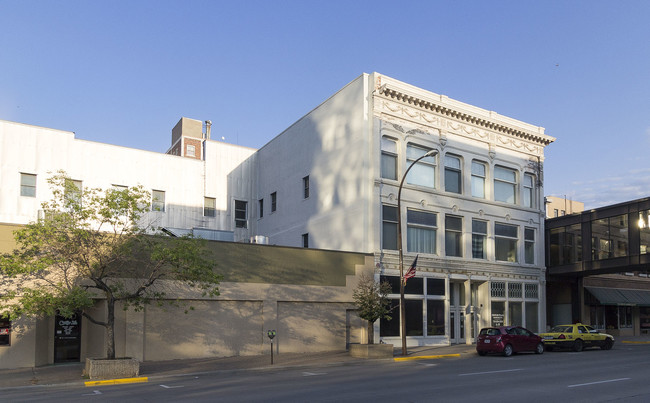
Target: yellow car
{"points": [[576, 337]]}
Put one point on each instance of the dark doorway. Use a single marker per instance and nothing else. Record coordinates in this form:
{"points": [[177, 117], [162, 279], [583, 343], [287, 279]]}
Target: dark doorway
{"points": [[67, 339]]}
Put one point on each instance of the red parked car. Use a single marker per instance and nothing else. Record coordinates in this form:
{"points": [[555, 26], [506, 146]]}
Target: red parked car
{"points": [[507, 340]]}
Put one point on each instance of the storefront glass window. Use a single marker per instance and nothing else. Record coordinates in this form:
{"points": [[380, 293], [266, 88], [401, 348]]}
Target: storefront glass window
{"points": [[498, 313], [532, 317], [435, 318], [5, 332]]}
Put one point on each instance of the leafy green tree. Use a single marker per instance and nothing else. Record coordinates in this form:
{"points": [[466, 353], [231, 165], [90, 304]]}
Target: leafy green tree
{"points": [[94, 244], [371, 299]]}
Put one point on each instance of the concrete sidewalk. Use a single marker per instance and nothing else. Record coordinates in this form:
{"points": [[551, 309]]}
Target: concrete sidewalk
{"points": [[71, 373]]}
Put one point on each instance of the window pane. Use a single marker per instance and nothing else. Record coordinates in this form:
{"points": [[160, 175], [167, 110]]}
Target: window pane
{"points": [[388, 166], [435, 318], [505, 230], [390, 327], [452, 174], [479, 226], [209, 206], [453, 236], [422, 173], [435, 286], [28, 185], [505, 174], [389, 227], [504, 192], [506, 249], [418, 239], [414, 317], [420, 217], [241, 215], [157, 200], [478, 187]]}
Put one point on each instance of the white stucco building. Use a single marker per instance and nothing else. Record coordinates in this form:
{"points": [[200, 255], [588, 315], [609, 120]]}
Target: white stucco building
{"points": [[474, 213]]}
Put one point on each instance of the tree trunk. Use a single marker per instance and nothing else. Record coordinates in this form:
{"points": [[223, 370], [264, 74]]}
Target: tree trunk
{"points": [[110, 329], [371, 332]]}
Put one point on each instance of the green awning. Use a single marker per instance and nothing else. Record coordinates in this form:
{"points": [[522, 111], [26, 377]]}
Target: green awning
{"points": [[620, 296]]}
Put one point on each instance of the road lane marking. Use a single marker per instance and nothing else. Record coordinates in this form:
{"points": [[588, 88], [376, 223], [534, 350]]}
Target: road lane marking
{"points": [[313, 373], [170, 387], [95, 392], [491, 372], [596, 383]]}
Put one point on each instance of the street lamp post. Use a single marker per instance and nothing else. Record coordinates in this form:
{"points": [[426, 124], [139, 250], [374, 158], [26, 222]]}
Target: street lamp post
{"points": [[402, 308]]}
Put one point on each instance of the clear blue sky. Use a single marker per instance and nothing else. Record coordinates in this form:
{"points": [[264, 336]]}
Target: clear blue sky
{"points": [[124, 72]]}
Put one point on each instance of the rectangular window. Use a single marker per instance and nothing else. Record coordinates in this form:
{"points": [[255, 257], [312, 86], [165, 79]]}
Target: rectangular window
{"points": [[529, 190], [505, 185], [453, 236], [529, 245], [388, 158], [453, 174], [609, 237], [241, 214], [644, 231], [157, 200], [498, 289], [424, 172], [421, 231], [435, 318], [478, 179], [28, 185], [5, 332], [505, 242], [274, 201], [305, 187], [260, 205], [191, 150], [479, 238], [305, 240], [209, 207], [73, 191], [389, 227]]}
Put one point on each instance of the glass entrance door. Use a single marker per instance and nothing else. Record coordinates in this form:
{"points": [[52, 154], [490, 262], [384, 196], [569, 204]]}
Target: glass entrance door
{"points": [[67, 339], [457, 313]]}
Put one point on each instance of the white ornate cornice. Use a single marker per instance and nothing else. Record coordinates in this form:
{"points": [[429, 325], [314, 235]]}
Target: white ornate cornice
{"points": [[439, 114]]}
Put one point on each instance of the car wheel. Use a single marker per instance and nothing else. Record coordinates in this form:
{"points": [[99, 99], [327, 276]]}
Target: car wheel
{"points": [[482, 353], [539, 349], [507, 350], [608, 345], [577, 345]]}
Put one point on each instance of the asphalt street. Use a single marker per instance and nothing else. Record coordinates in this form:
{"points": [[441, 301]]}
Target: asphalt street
{"points": [[593, 375]]}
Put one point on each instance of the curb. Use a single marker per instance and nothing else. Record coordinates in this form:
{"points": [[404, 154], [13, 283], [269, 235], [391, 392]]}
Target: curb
{"points": [[117, 381], [426, 357], [635, 342]]}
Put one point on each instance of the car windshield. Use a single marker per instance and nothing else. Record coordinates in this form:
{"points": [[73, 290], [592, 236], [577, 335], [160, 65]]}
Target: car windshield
{"points": [[562, 329]]}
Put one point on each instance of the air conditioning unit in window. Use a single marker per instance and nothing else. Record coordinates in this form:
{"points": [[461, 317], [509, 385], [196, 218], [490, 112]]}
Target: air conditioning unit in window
{"points": [[260, 239]]}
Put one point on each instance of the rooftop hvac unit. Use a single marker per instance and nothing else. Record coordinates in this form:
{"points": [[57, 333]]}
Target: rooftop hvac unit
{"points": [[261, 239]]}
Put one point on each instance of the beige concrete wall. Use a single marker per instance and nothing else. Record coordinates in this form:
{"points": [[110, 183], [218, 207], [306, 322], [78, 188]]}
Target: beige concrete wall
{"points": [[311, 326]]}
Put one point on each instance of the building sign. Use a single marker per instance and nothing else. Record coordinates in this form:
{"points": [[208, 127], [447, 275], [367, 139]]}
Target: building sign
{"points": [[497, 319]]}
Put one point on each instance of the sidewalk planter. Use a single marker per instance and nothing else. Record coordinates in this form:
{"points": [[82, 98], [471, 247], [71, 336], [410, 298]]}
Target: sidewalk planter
{"points": [[102, 368], [371, 350]]}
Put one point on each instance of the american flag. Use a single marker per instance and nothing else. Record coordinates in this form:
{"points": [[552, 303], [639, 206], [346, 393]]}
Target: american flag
{"points": [[411, 271]]}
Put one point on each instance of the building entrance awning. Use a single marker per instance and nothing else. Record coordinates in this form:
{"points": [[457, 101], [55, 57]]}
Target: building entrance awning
{"points": [[620, 296]]}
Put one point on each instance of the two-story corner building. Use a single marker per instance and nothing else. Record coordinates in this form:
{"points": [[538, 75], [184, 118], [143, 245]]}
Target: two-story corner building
{"points": [[473, 213], [598, 263], [187, 193]]}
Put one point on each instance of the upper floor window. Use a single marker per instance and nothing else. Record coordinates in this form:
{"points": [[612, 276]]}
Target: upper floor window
{"points": [[644, 231], [479, 238], [505, 184], [274, 201], [421, 231], [241, 213], [28, 185], [73, 190], [478, 179], [305, 240], [305, 187], [191, 150], [209, 206], [453, 236], [609, 237], [388, 158], [260, 207], [389, 227], [529, 245], [424, 172], [529, 190], [505, 242], [157, 200], [453, 174]]}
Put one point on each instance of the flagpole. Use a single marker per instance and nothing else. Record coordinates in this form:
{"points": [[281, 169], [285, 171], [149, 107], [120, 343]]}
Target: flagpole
{"points": [[402, 307]]}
